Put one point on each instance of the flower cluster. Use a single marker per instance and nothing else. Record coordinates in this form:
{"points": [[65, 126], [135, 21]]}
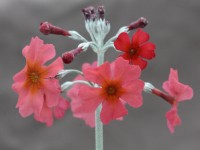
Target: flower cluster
{"points": [[107, 86]]}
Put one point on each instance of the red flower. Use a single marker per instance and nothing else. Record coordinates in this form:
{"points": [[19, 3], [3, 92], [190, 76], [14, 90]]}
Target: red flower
{"points": [[136, 50]]}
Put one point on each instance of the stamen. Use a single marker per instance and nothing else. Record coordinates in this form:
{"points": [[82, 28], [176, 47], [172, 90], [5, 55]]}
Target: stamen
{"points": [[34, 77]]}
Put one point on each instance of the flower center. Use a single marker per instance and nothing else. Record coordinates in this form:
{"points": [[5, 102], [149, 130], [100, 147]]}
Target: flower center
{"points": [[34, 77], [112, 90], [132, 52]]}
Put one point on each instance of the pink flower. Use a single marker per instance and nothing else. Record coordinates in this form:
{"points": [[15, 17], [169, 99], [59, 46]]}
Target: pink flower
{"points": [[34, 83], [118, 84], [76, 102], [178, 92], [47, 114]]}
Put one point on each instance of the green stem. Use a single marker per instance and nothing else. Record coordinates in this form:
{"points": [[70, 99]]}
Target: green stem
{"points": [[98, 123]]}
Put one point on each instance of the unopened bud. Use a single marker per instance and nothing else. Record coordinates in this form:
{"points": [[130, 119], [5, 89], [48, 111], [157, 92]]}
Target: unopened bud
{"points": [[140, 23], [88, 12], [47, 28], [69, 56], [101, 11]]}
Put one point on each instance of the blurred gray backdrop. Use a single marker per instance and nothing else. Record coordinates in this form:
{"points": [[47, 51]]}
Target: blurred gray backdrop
{"points": [[173, 26]]}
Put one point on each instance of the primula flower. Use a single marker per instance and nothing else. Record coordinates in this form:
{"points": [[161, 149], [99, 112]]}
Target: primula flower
{"points": [[178, 92], [118, 83], [136, 50], [47, 114], [34, 83], [76, 102]]}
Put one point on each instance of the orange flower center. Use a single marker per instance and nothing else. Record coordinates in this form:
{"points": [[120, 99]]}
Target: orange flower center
{"points": [[34, 77], [112, 90]]}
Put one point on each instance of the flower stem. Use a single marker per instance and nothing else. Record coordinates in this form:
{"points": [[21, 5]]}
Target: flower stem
{"points": [[98, 123]]}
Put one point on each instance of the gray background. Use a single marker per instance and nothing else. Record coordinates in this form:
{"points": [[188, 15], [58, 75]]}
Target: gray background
{"points": [[173, 26]]}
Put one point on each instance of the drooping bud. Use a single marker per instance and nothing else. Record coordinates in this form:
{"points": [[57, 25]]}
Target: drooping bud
{"points": [[140, 23], [47, 28], [69, 56]]}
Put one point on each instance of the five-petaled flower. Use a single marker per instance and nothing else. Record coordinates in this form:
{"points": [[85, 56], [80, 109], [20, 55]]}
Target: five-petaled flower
{"points": [[178, 92], [38, 91], [118, 84], [136, 50], [76, 100]]}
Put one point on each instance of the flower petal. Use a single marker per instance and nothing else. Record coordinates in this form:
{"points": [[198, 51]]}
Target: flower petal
{"points": [[90, 98], [122, 42], [52, 92], [99, 74], [112, 111], [120, 67], [45, 116], [20, 76], [37, 101], [147, 50], [89, 118], [138, 61], [173, 74], [87, 65], [139, 38], [25, 106], [133, 94], [59, 110], [176, 89], [55, 67], [38, 51], [173, 118]]}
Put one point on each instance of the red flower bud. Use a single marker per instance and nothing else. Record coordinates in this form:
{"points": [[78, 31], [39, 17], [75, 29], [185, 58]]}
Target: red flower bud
{"points": [[69, 56], [140, 23], [47, 28]]}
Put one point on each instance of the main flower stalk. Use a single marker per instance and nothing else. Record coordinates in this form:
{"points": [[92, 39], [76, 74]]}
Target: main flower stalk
{"points": [[98, 123]]}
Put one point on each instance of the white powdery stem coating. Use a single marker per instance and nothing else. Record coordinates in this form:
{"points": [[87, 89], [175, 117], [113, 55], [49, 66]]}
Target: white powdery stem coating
{"points": [[98, 123], [84, 45], [97, 29], [63, 73], [69, 84], [109, 43], [76, 36], [148, 87]]}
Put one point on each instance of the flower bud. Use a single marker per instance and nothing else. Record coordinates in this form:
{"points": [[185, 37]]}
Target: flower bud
{"points": [[140, 23], [47, 28], [69, 56]]}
